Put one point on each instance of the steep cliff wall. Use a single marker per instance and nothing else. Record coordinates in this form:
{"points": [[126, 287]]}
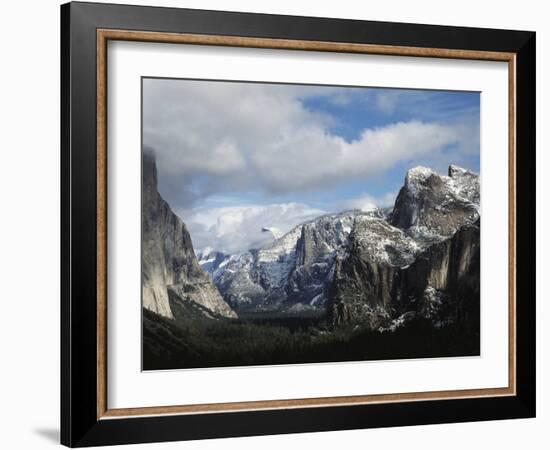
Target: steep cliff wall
{"points": [[171, 275], [441, 284], [446, 277]]}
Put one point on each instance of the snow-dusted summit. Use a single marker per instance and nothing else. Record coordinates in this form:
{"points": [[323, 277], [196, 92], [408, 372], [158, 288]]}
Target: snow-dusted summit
{"points": [[431, 207]]}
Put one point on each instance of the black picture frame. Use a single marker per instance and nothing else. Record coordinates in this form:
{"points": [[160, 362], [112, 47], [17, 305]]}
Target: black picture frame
{"points": [[80, 425]]}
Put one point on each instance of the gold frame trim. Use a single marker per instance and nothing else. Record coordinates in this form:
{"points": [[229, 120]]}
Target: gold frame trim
{"points": [[103, 36]]}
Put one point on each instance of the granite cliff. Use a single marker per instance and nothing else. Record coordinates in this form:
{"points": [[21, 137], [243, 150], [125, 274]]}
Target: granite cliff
{"points": [[424, 262], [173, 283]]}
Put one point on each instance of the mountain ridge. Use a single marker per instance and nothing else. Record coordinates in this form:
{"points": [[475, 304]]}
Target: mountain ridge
{"points": [[296, 272], [378, 268]]}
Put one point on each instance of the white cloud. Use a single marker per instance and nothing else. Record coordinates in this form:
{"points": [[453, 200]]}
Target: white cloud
{"points": [[234, 229], [386, 101], [367, 202], [312, 157], [220, 137]]}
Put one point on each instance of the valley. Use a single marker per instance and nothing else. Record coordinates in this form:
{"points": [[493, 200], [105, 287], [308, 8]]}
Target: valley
{"points": [[400, 282]]}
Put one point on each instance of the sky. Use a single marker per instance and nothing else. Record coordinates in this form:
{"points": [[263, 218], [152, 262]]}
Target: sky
{"points": [[236, 157]]}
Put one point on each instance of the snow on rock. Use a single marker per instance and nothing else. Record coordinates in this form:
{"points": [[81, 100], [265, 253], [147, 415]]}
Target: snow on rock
{"points": [[295, 268], [432, 301], [431, 207], [399, 322], [384, 243], [275, 232]]}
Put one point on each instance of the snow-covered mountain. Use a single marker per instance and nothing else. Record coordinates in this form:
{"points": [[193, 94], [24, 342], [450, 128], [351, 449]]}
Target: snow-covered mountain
{"points": [[293, 269], [327, 262], [211, 260], [425, 262], [379, 268]]}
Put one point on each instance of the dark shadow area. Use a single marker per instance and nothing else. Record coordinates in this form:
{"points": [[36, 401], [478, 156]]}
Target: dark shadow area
{"points": [[171, 344]]}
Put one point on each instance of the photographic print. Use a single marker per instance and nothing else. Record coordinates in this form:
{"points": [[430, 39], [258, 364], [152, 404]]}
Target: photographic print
{"points": [[288, 224]]}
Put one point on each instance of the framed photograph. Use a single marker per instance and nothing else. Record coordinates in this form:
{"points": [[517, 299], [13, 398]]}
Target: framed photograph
{"points": [[277, 224]]}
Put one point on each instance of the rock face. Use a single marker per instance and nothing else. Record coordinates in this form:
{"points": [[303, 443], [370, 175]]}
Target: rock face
{"points": [[442, 284], [292, 274], [425, 263], [431, 207], [211, 261], [173, 283], [445, 277], [363, 287]]}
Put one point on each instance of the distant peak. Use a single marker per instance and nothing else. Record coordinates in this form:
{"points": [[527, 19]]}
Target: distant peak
{"points": [[276, 233], [457, 171]]}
